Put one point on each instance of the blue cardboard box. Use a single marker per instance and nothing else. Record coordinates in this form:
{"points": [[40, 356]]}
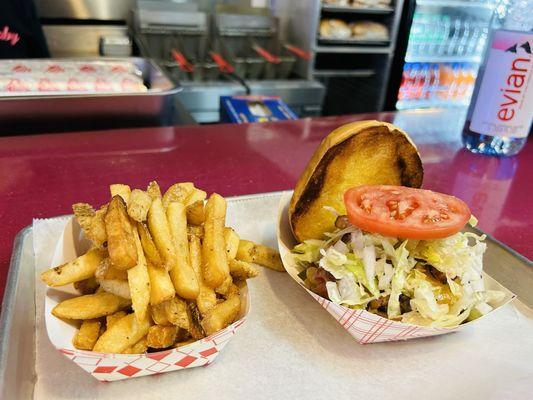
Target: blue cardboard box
{"points": [[243, 109]]}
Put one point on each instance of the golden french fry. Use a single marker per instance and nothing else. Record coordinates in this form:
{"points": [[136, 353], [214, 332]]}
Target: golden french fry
{"points": [[161, 286], [259, 254], [225, 287], [184, 343], [86, 286], [222, 315], [160, 230], [195, 213], [118, 189], [195, 230], [158, 313], [160, 337], [138, 348], [182, 275], [111, 319], [195, 328], [149, 247], [177, 192], [92, 222], [90, 306], [139, 282], [207, 297], [106, 271], [196, 195], [153, 190], [120, 235], [138, 205], [123, 334], [215, 263], [118, 287], [78, 269], [176, 311], [87, 335], [232, 242], [242, 270]]}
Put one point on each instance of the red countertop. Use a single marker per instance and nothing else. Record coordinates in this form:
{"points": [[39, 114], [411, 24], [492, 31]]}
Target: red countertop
{"points": [[41, 176]]}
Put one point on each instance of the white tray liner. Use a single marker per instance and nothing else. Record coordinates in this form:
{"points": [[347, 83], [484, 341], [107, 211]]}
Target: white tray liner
{"points": [[290, 348]]}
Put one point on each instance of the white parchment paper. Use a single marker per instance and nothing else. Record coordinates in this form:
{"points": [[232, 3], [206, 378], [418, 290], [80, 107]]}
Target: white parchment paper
{"points": [[290, 348]]}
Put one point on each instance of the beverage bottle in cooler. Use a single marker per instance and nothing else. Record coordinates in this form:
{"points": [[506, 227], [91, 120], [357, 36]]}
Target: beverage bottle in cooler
{"points": [[501, 110]]}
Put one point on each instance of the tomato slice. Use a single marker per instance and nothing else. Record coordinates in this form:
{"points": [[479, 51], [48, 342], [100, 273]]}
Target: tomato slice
{"points": [[404, 212]]}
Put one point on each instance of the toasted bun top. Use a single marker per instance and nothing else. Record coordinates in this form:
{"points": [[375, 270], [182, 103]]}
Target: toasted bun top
{"points": [[359, 153]]}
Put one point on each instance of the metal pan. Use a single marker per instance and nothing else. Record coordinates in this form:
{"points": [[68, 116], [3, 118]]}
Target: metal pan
{"points": [[154, 107], [18, 349]]}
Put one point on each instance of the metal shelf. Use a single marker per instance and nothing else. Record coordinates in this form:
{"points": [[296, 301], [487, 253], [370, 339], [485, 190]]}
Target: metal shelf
{"points": [[357, 73], [357, 10], [353, 49], [456, 3], [353, 41], [442, 59]]}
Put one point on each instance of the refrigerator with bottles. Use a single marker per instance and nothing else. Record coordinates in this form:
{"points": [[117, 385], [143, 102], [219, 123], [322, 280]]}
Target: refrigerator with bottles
{"points": [[445, 47]]}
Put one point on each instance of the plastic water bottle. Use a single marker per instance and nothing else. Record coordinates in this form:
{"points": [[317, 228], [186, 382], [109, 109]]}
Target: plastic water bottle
{"points": [[501, 110]]}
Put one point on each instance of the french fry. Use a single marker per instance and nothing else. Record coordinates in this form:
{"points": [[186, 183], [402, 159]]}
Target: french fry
{"points": [[118, 287], [232, 242], [195, 328], [139, 282], [92, 222], [196, 195], [87, 335], [138, 348], [161, 286], [242, 270], [90, 306], [86, 286], [78, 269], [159, 314], [111, 319], [118, 189], [207, 297], [161, 337], [177, 192], [120, 235], [195, 230], [149, 247], [184, 343], [123, 334], [195, 213], [221, 315], [176, 311], [182, 275], [106, 271], [225, 287], [259, 254], [138, 205], [153, 190], [215, 263], [160, 230]]}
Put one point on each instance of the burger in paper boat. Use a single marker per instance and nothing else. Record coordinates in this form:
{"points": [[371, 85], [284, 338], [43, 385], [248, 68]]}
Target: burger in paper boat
{"points": [[388, 260]]}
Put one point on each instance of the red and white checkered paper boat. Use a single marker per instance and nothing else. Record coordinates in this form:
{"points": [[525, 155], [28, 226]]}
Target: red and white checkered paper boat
{"points": [[364, 326], [114, 367]]}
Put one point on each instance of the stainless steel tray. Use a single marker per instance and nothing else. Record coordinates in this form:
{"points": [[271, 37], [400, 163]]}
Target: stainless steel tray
{"points": [[254, 217], [23, 114]]}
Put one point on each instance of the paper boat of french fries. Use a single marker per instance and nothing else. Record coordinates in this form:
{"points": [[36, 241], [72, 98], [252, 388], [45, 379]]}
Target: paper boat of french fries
{"points": [[114, 367], [364, 326]]}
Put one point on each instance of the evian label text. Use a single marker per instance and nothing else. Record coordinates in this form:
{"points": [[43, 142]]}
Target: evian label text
{"points": [[504, 104]]}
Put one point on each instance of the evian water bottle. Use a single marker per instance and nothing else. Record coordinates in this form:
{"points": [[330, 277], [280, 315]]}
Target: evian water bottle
{"points": [[501, 110]]}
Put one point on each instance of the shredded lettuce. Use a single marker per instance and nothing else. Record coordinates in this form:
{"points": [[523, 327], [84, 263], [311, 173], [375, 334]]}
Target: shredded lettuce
{"points": [[370, 266]]}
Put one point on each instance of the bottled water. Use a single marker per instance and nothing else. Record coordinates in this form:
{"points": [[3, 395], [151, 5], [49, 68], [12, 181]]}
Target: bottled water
{"points": [[501, 111]]}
